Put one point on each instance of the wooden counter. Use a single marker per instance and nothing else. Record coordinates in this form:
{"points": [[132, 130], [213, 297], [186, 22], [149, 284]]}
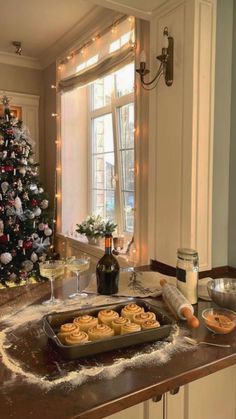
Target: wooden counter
{"points": [[98, 398]]}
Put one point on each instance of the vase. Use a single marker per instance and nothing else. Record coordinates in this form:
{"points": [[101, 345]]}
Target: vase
{"points": [[95, 241]]}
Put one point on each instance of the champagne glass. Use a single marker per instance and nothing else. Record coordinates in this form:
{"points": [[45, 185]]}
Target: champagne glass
{"points": [[52, 269], [78, 265]]}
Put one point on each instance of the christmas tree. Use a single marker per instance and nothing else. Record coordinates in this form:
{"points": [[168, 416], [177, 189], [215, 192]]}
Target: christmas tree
{"points": [[25, 230]]}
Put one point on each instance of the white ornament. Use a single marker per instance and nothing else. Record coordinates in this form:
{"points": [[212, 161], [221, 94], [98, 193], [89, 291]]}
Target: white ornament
{"points": [[48, 231], [37, 212], [41, 226], [1, 227], [17, 203], [44, 204], [41, 190], [33, 187], [34, 257], [35, 236], [4, 186], [22, 171], [6, 258], [31, 160], [41, 245], [27, 265]]}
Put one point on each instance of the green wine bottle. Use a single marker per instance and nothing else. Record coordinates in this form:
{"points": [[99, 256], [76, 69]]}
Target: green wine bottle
{"points": [[107, 270]]}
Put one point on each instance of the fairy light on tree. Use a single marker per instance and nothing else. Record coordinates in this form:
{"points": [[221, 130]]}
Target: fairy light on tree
{"points": [[25, 224]]}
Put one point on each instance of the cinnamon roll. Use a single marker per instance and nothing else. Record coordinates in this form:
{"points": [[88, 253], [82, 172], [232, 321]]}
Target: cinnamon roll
{"points": [[65, 330], [129, 328], [85, 322], [150, 324], [130, 310], [107, 316], [76, 338], [117, 323], [101, 331], [143, 317]]}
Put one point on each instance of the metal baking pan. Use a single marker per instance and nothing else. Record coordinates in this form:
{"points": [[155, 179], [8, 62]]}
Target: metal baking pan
{"points": [[53, 321]]}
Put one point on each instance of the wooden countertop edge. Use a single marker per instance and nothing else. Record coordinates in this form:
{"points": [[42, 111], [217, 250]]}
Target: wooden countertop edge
{"points": [[147, 393]]}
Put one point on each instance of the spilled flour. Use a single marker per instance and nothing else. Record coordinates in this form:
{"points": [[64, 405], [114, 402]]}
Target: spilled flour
{"points": [[30, 317]]}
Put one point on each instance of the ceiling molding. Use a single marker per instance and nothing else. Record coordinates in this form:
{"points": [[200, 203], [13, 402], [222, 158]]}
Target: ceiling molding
{"points": [[19, 60], [79, 33], [129, 10]]}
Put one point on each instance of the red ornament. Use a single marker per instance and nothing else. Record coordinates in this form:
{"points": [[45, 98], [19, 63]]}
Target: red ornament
{"points": [[3, 239], [9, 131], [34, 202], [27, 245], [11, 202], [9, 168]]}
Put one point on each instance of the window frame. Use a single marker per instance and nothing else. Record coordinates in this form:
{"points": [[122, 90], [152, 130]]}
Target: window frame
{"points": [[113, 108]]}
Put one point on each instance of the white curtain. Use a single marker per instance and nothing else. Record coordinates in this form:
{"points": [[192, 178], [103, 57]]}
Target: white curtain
{"points": [[101, 55]]}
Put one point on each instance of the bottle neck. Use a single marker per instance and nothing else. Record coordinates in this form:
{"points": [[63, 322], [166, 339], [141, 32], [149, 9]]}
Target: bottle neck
{"points": [[108, 244]]}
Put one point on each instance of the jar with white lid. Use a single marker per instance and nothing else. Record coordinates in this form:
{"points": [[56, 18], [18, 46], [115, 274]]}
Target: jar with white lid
{"points": [[187, 268]]}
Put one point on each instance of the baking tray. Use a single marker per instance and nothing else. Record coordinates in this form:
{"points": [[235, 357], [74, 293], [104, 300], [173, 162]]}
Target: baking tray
{"points": [[53, 321]]}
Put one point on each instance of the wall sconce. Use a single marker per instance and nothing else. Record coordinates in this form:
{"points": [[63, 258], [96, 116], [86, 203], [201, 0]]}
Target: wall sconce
{"points": [[166, 66]]}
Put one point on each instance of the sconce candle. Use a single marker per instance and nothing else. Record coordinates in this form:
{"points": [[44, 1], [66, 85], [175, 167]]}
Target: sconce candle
{"points": [[143, 58]]}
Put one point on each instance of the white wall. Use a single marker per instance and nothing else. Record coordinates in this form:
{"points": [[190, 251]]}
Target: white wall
{"points": [[232, 188], [222, 133]]}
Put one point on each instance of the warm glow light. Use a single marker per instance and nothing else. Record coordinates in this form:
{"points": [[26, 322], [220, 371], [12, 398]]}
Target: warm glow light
{"points": [[54, 115], [59, 67], [58, 195], [94, 39], [58, 169], [82, 51], [53, 86], [57, 142]]}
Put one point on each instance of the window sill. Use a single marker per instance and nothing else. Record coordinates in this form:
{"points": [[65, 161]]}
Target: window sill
{"points": [[82, 245]]}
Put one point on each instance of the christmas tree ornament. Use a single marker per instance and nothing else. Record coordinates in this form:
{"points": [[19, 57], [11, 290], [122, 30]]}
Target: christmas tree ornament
{"points": [[12, 277], [48, 232], [31, 160], [34, 202], [41, 245], [3, 239], [17, 203], [1, 227], [44, 204], [10, 212], [41, 190], [4, 154], [25, 196], [34, 236], [29, 214], [37, 212], [14, 252], [5, 258], [33, 187], [34, 257], [22, 171], [4, 186], [41, 226], [27, 265], [13, 155], [27, 244]]}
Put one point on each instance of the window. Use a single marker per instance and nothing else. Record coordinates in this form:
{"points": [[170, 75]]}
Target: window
{"points": [[111, 127]]}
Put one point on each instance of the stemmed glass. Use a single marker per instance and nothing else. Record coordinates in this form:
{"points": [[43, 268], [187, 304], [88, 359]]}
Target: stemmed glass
{"points": [[52, 269], [78, 265]]}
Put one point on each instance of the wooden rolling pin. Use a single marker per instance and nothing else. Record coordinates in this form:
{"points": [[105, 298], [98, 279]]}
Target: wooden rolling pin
{"points": [[178, 304]]}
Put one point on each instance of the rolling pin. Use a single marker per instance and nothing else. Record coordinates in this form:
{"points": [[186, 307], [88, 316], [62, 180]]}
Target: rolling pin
{"points": [[178, 304]]}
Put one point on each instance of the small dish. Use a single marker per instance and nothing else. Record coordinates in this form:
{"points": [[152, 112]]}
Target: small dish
{"points": [[220, 321]]}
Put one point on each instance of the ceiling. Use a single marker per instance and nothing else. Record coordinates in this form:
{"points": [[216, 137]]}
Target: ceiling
{"points": [[47, 27], [38, 24]]}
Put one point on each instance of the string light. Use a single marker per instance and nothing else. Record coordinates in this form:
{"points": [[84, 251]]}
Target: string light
{"points": [[58, 195], [54, 115], [58, 169], [57, 142], [53, 86], [113, 28]]}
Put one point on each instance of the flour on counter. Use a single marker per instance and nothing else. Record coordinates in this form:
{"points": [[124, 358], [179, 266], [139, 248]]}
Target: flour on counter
{"points": [[158, 353]]}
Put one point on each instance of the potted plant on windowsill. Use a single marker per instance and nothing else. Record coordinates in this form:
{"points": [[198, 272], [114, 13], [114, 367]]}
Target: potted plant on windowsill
{"points": [[94, 227]]}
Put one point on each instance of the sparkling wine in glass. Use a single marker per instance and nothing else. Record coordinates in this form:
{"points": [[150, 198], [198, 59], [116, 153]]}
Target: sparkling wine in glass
{"points": [[52, 269], [78, 265]]}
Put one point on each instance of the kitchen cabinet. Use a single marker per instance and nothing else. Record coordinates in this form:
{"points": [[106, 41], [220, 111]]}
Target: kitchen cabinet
{"points": [[211, 397]]}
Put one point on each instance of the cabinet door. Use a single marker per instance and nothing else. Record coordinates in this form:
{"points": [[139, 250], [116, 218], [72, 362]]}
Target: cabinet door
{"points": [[154, 410], [134, 412], [174, 406], [212, 397]]}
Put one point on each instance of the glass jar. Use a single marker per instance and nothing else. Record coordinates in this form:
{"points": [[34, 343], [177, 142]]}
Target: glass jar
{"points": [[187, 268]]}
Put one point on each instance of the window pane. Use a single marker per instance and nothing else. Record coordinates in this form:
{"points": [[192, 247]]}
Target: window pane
{"points": [[103, 171], [101, 92], [127, 161], [126, 122], [128, 198], [102, 134], [104, 203], [124, 80]]}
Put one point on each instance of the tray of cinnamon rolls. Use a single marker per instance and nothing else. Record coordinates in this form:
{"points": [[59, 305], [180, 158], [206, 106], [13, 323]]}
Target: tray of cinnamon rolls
{"points": [[86, 332]]}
